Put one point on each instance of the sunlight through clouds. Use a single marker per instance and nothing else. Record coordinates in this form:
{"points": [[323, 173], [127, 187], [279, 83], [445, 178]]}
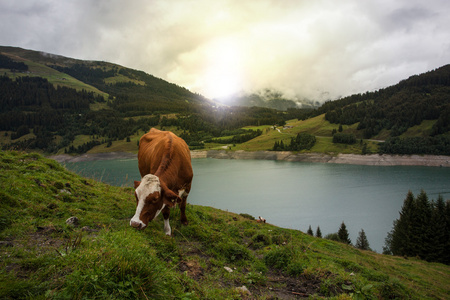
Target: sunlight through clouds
{"points": [[317, 50]]}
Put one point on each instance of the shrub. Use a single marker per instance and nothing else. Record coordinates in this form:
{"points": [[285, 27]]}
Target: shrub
{"points": [[247, 216], [344, 138], [278, 258]]}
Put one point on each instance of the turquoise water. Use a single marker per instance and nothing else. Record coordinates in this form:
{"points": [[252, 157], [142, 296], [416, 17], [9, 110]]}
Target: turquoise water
{"points": [[297, 194]]}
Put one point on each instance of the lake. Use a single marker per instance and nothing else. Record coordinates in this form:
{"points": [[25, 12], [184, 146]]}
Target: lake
{"points": [[297, 194]]}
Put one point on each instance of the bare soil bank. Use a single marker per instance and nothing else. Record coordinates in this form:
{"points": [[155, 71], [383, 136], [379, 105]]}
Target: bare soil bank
{"points": [[353, 159]]}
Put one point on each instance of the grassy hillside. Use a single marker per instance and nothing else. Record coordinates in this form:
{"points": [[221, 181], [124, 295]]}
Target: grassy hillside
{"points": [[102, 257], [316, 126], [39, 69], [121, 102]]}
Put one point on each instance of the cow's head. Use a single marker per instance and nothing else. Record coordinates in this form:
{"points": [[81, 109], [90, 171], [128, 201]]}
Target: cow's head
{"points": [[152, 196]]}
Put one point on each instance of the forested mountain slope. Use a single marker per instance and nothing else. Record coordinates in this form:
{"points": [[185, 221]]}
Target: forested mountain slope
{"points": [[56, 104], [399, 107], [50, 101]]}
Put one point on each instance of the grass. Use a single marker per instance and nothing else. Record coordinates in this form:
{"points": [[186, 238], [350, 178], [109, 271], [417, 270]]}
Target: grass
{"points": [[55, 77], [423, 129], [317, 126], [122, 78], [41, 257]]}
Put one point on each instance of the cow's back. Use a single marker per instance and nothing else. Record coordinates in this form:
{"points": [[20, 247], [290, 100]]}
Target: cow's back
{"points": [[164, 154]]}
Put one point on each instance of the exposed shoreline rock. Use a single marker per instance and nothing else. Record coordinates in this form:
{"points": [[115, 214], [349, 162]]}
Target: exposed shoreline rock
{"points": [[353, 159]]}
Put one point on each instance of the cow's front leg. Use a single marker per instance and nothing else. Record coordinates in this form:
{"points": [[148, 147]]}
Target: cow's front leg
{"points": [[184, 220], [166, 214]]}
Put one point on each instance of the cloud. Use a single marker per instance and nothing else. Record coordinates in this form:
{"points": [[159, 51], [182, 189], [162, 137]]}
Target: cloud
{"points": [[309, 49]]}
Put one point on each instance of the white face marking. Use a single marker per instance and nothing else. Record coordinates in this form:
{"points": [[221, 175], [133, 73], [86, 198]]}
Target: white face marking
{"points": [[149, 184], [158, 211]]}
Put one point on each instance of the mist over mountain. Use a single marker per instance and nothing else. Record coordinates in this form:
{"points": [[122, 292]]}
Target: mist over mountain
{"points": [[55, 103], [270, 98]]}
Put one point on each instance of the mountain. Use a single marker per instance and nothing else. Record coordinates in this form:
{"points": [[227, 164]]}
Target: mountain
{"points": [[50, 102], [127, 86], [393, 110], [56, 104]]}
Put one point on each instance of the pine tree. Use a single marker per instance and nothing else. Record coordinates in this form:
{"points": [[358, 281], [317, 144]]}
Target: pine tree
{"points": [[343, 234], [310, 232], [438, 234], [421, 230], [401, 233], [446, 259], [318, 232], [362, 242], [400, 241]]}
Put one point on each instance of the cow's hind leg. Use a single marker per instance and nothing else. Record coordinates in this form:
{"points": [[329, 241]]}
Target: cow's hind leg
{"points": [[166, 214]]}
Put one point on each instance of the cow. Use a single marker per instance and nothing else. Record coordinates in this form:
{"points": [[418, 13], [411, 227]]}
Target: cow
{"points": [[164, 162]]}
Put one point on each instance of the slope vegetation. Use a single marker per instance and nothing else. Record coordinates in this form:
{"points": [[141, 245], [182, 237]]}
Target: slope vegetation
{"points": [[214, 257], [411, 117]]}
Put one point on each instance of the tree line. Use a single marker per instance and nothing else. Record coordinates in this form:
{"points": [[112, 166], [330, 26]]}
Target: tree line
{"points": [[33, 105], [397, 108], [303, 141], [238, 137], [8, 63], [342, 236], [422, 230]]}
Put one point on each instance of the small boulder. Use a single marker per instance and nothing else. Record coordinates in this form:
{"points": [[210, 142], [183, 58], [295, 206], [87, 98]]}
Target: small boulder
{"points": [[243, 290], [73, 221]]}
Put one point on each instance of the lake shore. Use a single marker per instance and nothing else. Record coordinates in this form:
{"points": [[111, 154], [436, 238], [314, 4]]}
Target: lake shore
{"points": [[353, 159]]}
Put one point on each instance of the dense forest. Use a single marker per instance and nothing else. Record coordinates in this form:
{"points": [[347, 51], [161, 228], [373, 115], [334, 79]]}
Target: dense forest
{"points": [[8, 63], [56, 113], [32, 104], [398, 108], [423, 229]]}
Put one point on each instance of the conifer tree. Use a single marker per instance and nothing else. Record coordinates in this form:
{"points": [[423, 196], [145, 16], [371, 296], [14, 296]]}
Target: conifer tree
{"points": [[446, 259], [400, 241], [438, 234], [310, 232], [318, 232], [421, 230], [343, 234], [362, 242]]}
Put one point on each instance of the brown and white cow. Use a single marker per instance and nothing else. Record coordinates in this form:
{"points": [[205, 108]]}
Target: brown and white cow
{"points": [[165, 165]]}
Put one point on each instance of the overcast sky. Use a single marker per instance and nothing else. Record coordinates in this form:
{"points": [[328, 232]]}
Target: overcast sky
{"points": [[310, 49]]}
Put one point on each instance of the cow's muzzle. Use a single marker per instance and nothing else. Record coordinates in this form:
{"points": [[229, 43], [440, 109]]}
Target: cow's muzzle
{"points": [[138, 225]]}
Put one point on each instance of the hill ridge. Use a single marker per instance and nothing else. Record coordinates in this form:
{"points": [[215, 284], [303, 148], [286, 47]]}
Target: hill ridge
{"points": [[410, 117]]}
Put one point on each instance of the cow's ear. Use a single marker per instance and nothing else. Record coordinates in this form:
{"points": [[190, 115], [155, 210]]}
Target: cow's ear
{"points": [[136, 184], [170, 198]]}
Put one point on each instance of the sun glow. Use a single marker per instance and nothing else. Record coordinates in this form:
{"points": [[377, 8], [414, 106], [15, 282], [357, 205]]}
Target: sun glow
{"points": [[223, 76]]}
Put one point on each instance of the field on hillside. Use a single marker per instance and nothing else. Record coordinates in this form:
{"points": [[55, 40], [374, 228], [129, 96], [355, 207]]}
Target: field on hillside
{"points": [[53, 76], [316, 126], [219, 255]]}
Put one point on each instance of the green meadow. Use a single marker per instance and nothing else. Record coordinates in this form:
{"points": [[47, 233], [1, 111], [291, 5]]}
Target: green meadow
{"points": [[219, 255]]}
